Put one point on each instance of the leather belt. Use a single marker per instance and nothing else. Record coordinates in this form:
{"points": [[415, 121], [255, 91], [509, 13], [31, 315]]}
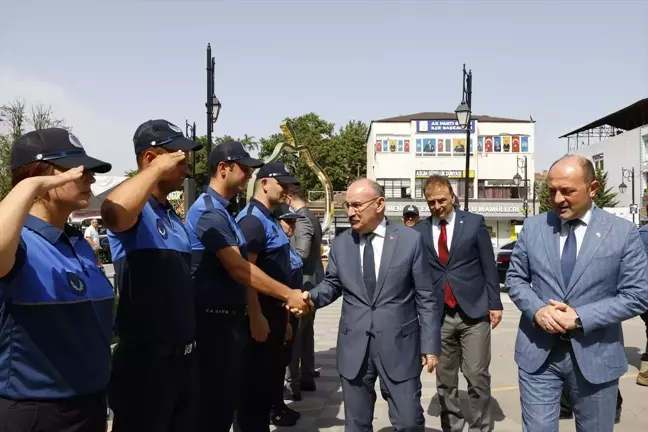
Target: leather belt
{"points": [[239, 311], [162, 350]]}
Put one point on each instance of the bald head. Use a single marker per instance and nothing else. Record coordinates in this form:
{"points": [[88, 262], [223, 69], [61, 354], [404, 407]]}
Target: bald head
{"points": [[572, 162], [365, 204], [572, 186]]}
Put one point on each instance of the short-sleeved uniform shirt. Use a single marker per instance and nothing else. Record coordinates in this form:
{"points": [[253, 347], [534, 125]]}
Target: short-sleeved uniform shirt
{"points": [[297, 270], [265, 237], [153, 274], [56, 317], [211, 229]]}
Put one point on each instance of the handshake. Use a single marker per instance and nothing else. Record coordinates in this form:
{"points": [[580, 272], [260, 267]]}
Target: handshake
{"points": [[300, 303]]}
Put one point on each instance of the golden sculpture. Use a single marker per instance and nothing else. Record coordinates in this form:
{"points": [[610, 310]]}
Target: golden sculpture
{"points": [[292, 144]]}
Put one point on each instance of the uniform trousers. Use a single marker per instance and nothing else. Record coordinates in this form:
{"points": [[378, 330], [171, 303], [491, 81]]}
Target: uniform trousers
{"points": [[153, 388], [264, 367], [222, 336]]}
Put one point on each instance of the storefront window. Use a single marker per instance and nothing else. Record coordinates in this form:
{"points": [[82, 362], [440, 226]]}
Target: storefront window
{"points": [[499, 189], [458, 186], [396, 188]]}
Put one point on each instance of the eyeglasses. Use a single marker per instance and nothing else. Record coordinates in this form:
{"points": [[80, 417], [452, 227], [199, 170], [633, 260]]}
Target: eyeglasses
{"points": [[357, 207]]}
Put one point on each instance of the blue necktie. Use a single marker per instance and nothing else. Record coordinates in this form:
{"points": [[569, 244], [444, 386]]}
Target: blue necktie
{"points": [[569, 252], [369, 266]]}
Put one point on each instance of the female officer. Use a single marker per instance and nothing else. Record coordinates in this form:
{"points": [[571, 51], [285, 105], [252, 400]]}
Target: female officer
{"points": [[55, 302], [280, 412]]}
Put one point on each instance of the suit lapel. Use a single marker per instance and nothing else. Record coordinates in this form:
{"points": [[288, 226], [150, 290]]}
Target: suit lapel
{"points": [[354, 263], [551, 240], [456, 233], [595, 233], [389, 245], [429, 238]]}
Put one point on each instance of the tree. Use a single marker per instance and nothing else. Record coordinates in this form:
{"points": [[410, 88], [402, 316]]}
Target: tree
{"points": [[543, 196], [15, 119], [341, 155], [604, 196]]}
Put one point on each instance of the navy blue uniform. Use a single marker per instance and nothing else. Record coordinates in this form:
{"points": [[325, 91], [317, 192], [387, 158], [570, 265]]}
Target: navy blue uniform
{"points": [[56, 327], [154, 367], [222, 330], [265, 365]]}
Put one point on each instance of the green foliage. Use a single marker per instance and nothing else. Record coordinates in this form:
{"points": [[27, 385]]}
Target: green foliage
{"points": [[341, 154], [604, 196], [543, 197]]}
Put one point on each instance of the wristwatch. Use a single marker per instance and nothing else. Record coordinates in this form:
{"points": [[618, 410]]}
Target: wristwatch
{"points": [[579, 324]]}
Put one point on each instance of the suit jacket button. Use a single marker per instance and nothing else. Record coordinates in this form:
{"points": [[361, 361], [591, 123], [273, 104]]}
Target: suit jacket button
{"points": [[373, 308]]}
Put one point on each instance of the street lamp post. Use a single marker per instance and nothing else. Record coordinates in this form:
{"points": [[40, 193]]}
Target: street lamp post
{"points": [[463, 113], [189, 194], [212, 103], [629, 174], [522, 164]]}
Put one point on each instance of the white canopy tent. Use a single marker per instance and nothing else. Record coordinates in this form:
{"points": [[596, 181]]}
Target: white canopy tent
{"points": [[101, 188]]}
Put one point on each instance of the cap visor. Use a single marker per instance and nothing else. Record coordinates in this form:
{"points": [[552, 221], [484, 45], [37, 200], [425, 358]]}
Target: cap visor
{"points": [[182, 144], [250, 162], [288, 180], [89, 163]]}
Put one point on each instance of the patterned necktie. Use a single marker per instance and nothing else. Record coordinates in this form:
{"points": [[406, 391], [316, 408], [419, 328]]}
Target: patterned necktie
{"points": [[569, 252], [369, 266], [450, 299]]}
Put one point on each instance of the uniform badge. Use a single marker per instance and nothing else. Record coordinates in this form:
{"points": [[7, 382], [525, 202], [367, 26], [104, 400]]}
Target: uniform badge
{"points": [[75, 141], [75, 283], [175, 128], [161, 228]]}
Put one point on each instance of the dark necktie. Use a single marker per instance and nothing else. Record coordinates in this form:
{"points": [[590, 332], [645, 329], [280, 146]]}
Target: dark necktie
{"points": [[569, 252], [450, 299], [369, 266]]}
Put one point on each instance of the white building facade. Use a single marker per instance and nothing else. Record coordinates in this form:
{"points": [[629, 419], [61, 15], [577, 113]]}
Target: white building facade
{"points": [[619, 155], [402, 152]]}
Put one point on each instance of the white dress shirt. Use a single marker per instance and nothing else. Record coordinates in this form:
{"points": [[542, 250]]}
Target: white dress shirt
{"points": [[436, 231], [579, 231], [377, 243]]}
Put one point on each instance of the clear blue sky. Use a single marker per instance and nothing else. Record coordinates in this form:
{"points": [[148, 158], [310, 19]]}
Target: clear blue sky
{"points": [[108, 66]]}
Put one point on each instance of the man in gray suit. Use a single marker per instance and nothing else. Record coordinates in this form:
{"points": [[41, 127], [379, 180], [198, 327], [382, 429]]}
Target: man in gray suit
{"points": [[462, 265], [390, 313], [576, 273], [307, 242]]}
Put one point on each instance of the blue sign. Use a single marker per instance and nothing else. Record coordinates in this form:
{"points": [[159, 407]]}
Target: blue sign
{"points": [[443, 126]]}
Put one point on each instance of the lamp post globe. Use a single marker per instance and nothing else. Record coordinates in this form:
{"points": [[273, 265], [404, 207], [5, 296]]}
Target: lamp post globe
{"points": [[623, 187], [517, 178], [463, 115]]}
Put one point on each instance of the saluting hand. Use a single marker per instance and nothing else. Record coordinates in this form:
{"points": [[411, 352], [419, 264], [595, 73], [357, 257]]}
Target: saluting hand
{"points": [[166, 163], [44, 184]]}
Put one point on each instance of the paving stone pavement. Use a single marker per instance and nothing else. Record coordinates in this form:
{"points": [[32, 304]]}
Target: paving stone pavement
{"points": [[323, 410]]}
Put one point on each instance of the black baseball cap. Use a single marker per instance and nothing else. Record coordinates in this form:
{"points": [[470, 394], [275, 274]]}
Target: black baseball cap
{"points": [[283, 211], [410, 209], [277, 171], [56, 146], [231, 151], [161, 133]]}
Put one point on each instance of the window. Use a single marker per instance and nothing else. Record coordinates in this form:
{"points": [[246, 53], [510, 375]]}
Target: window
{"points": [[499, 189], [458, 187], [597, 159], [396, 188]]}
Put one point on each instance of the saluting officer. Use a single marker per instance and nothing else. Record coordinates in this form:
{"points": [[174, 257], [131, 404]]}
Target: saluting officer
{"points": [[269, 249], [154, 367], [221, 274], [55, 302]]}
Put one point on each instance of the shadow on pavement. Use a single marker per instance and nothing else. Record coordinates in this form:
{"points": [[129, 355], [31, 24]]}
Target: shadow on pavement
{"points": [[497, 415], [633, 355]]}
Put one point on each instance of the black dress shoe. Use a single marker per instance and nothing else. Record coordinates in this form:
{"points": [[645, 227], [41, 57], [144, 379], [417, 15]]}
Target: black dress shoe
{"points": [[279, 418], [289, 411], [566, 415], [307, 385]]}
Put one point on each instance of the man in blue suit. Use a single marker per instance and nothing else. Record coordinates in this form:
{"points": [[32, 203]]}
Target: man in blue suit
{"points": [[390, 314], [576, 273], [462, 264]]}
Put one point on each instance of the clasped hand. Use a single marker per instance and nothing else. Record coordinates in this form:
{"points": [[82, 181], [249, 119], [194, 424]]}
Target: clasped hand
{"points": [[556, 317], [300, 303]]}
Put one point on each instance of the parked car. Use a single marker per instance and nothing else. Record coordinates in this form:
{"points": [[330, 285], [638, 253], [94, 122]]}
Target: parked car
{"points": [[503, 259]]}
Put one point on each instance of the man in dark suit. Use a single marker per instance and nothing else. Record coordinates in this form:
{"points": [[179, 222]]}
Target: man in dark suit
{"points": [[390, 314], [307, 242], [462, 265]]}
